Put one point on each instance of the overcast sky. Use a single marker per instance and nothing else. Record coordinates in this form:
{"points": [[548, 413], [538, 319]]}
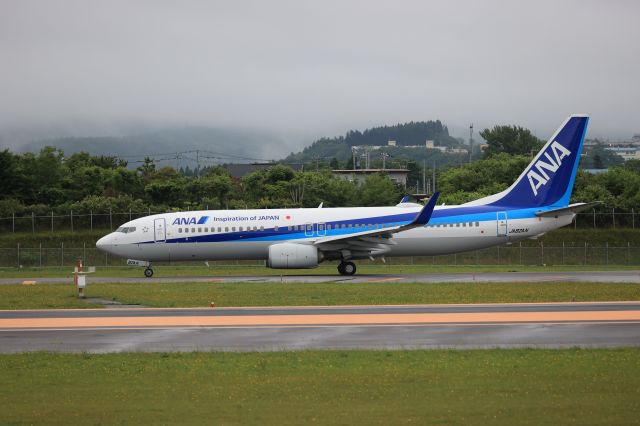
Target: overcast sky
{"points": [[315, 68]]}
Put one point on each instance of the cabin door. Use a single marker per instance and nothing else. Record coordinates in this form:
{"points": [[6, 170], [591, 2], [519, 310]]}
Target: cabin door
{"points": [[159, 231], [502, 224]]}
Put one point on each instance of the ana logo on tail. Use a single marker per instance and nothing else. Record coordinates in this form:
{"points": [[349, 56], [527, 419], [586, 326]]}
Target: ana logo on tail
{"points": [[540, 178]]}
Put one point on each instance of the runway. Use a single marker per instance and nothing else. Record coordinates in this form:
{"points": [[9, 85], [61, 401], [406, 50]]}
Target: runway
{"points": [[595, 324], [586, 276]]}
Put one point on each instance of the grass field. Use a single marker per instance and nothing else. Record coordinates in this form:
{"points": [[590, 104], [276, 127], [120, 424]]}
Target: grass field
{"points": [[197, 269], [497, 387], [300, 294]]}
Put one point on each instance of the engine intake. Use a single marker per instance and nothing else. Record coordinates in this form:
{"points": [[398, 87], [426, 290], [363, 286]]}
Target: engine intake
{"points": [[293, 256]]}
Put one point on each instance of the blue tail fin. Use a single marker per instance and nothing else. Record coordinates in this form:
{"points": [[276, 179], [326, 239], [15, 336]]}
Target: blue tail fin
{"points": [[548, 179]]}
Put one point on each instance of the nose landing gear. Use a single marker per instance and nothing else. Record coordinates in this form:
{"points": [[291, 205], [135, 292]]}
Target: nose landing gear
{"points": [[347, 268], [148, 272]]}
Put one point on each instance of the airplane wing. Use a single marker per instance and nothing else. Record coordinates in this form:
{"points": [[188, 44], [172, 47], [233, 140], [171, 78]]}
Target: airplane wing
{"points": [[570, 209], [375, 241]]}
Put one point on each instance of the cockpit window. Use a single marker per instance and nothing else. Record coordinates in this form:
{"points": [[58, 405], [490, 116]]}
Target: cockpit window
{"points": [[126, 229]]}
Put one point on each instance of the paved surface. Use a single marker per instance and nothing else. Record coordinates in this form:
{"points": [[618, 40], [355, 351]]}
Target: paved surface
{"points": [[292, 328], [592, 276]]}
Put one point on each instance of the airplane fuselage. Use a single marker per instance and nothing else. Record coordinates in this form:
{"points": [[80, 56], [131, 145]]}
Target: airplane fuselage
{"points": [[247, 234]]}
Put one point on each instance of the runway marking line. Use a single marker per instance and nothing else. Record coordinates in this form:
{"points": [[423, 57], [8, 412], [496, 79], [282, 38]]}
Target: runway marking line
{"points": [[327, 319], [233, 327], [443, 305]]}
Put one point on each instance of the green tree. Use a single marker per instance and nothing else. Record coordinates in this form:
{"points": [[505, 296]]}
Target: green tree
{"points": [[379, 190], [514, 140]]}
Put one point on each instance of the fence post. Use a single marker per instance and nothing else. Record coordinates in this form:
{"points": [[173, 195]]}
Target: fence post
{"points": [[33, 223], [51, 220], [606, 247], [520, 252], [585, 253], [498, 255], [149, 211], [110, 220], [91, 219], [613, 216], [633, 218], [13, 222], [563, 252], [71, 217], [628, 252], [62, 254], [594, 218], [40, 251], [541, 253], [129, 214], [84, 253], [18, 255], [575, 221]]}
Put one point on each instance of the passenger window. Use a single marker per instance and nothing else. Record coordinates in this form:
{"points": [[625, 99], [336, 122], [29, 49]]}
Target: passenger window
{"points": [[186, 230], [226, 229], [240, 228], [464, 224], [262, 228], [477, 223], [288, 228], [219, 229], [199, 229], [233, 229], [179, 230], [275, 228]]}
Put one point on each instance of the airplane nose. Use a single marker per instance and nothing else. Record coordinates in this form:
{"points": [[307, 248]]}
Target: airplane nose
{"points": [[104, 243]]}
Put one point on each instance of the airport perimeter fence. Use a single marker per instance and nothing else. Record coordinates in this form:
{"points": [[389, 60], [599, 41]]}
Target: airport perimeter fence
{"points": [[570, 254], [74, 221]]}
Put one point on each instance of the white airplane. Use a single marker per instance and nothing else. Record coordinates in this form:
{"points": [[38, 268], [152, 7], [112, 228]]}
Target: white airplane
{"points": [[537, 202]]}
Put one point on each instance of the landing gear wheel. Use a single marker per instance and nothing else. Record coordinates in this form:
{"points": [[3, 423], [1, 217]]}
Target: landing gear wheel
{"points": [[347, 268], [148, 272]]}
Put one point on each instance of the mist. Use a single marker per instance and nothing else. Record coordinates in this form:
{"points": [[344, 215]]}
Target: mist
{"points": [[302, 70]]}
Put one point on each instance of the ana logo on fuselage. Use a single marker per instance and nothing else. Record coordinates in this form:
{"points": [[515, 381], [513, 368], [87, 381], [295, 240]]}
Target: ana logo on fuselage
{"points": [[539, 177], [190, 220]]}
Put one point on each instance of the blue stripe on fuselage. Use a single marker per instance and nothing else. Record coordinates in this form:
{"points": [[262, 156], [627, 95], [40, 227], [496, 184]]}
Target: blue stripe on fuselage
{"points": [[442, 216]]}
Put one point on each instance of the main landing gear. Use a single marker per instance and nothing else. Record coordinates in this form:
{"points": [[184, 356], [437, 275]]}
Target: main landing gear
{"points": [[347, 268], [148, 272]]}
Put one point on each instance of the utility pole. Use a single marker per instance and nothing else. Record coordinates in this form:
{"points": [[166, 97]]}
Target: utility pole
{"points": [[470, 141], [353, 155], [434, 176], [424, 175], [384, 160]]}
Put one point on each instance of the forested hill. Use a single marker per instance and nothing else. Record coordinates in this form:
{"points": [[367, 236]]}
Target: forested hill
{"points": [[407, 134]]}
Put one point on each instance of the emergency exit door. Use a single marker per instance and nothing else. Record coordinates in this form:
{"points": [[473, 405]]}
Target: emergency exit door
{"points": [[502, 224], [159, 231]]}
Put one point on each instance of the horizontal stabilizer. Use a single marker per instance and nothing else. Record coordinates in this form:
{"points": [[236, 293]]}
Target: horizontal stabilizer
{"points": [[570, 209]]}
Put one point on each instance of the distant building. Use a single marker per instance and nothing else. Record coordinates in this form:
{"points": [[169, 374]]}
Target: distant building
{"points": [[360, 175], [391, 143]]}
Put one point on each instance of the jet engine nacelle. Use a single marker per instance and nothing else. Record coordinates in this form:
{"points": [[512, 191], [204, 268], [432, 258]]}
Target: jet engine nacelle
{"points": [[292, 255]]}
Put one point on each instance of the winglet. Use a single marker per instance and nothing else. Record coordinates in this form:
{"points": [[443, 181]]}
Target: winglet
{"points": [[425, 214], [405, 199]]}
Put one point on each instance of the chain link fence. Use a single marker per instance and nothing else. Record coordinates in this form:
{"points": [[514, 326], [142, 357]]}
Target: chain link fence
{"points": [[74, 221], [569, 254]]}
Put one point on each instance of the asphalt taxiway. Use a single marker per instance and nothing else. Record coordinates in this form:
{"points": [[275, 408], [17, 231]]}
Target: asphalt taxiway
{"points": [[595, 324], [586, 276]]}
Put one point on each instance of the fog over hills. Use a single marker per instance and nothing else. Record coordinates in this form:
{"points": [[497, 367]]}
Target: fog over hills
{"points": [[168, 146]]}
